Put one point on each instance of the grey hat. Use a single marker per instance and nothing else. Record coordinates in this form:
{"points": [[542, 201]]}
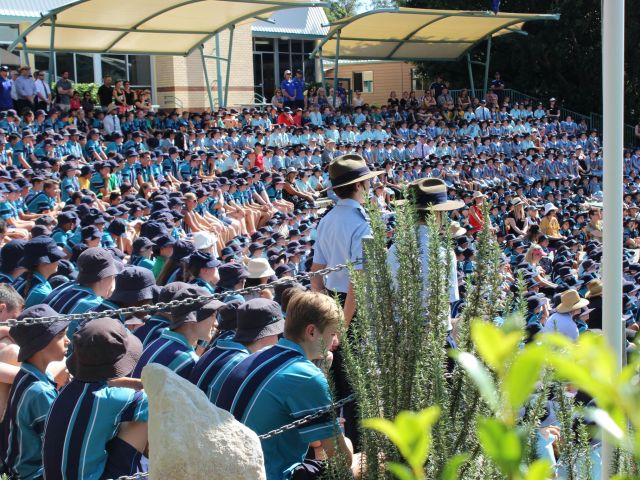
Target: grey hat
{"points": [[96, 263], [33, 337], [258, 318], [195, 312]]}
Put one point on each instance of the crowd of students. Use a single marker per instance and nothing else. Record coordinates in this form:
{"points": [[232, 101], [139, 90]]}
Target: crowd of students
{"points": [[113, 208]]}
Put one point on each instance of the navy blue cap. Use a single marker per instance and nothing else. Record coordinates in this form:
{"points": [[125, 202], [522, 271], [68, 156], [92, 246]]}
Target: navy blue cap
{"points": [[201, 259]]}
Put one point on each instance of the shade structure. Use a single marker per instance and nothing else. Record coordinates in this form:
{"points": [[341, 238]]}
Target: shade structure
{"points": [[156, 27], [411, 34]]}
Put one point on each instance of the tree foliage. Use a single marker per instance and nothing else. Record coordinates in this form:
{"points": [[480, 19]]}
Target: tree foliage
{"points": [[561, 58], [339, 9]]}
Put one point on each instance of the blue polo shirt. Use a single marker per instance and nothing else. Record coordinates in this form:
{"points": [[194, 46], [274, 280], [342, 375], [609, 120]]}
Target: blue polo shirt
{"points": [[83, 419], [170, 349], [71, 298], [39, 289], [271, 388], [151, 329], [215, 365], [30, 400]]}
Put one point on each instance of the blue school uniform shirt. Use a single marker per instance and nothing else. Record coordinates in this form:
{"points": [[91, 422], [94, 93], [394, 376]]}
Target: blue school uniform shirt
{"points": [[83, 419], [170, 349], [71, 298], [30, 400], [151, 329], [39, 290], [215, 365], [270, 389], [41, 202]]}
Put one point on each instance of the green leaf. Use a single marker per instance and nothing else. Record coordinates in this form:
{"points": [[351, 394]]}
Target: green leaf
{"points": [[493, 345], [452, 467], [500, 444], [522, 376], [539, 470], [401, 471], [480, 376], [605, 422], [386, 427]]}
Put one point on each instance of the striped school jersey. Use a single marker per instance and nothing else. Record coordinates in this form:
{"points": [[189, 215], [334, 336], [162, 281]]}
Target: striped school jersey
{"points": [[71, 298], [30, 400], [214, 366], [39, 288], [271, 388], [151, 329], [170, 349], [83, 419]]}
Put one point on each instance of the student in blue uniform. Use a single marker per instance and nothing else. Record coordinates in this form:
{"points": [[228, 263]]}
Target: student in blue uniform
{"points": [[161, 320], [203, 267], [253, 390], [233, 276], [141, 253], [41, 257], [10, 256], [259, 322], [175, 347], [96, 430], [32, 393]]}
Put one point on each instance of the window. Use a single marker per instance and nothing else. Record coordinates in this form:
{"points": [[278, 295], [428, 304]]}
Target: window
{"points": [[84, 68], [417, 80], [139, 70], [263, 45], [65, 63], [114, 66], [363, 81]]}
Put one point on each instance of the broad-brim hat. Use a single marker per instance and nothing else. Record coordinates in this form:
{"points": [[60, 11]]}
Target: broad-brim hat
{"points": [[33, 337], [258, 318], [431, 193], [135, 284], [95, 264], [570, 301], [103, 349], [259, 268], [200, 310], [594, 288], [41, 250], [456, 230], [349, 169]]}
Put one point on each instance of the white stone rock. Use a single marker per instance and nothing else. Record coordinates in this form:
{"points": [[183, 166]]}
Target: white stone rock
{"points": [[190, 438]]}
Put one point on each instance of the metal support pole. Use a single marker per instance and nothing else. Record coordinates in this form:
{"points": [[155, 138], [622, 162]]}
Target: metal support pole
{"points": [[229, 51], [218, 70], [52, 60], [206, 77], [486, 67], [26, 53], [471, 84], [335, 67], [613, 137], [323, 76]]}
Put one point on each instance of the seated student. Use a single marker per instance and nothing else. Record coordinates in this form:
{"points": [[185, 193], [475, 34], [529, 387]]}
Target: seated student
{"points": [[96, 280], [259, 322], [141, 253], [32, 393], [96, 429], [253, 390], [203, 268], [11, 304], [175, 347], [233, 276], [159, 321]]}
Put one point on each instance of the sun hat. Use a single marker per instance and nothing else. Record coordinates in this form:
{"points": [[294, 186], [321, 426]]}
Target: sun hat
{"points": [[231, 273], [95, 264], [258, 318], [570, 300], [135, 284], [103, 349], [33, 336], [431, 193], [203, 240], [228, 315], [195, 312], [139, 244], [11, 254], [594, 288], [202, 260], [41, 250], [349, 169], [548, 207], [456, 230], [259, 268], [479, 194], [516, 201]]}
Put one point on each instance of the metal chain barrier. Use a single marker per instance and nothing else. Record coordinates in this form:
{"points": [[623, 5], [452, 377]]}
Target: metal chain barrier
{"points": [[308, 418], [133, 477], [168, 305]]}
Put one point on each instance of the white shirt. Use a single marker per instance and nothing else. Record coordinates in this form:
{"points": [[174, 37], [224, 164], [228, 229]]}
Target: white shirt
{"points": [[423, 238], [42, 91], [483, 113], [561, 323], [112, 124]]}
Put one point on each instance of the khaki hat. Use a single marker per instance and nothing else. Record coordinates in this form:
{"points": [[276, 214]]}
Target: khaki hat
{"points": [[570, 301], [595, 288], [431, 193], [259, 268], [349, 169], [456, 230], [516, 201]]}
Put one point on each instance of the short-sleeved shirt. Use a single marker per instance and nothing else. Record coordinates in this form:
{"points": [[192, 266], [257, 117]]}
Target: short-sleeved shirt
{"points": [[271, 388], [30, 400], [83, 419], [151, 329], [339, 240], [170, 349], [41, 202], [71, 298], [289, 86], [39, 289], [214, 366]]}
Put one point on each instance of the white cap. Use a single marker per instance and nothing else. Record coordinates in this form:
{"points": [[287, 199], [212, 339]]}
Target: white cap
{"points": [[204, 240]]}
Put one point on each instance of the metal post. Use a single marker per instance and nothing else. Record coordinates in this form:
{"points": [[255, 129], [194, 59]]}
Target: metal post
{"points": [[486, 66], [613, 136], [206, 77], [335, 68], [323, 76], [471, 84], [218, 70], [26, 53], [229, 51], [52, 60]]}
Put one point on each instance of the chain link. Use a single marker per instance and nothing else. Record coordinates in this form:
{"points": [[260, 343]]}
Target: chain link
{"points": [[157, 307], [308, 418], [133, 477]]}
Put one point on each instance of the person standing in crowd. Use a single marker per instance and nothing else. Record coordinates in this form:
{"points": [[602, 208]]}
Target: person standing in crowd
{"points": [[288, 87], [43, 92], [300, 89], [105, 92], [64, 92], [25, 90], [6, 85]]}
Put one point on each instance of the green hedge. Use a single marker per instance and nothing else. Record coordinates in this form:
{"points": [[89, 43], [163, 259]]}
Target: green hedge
{"points": [[81, 88]]}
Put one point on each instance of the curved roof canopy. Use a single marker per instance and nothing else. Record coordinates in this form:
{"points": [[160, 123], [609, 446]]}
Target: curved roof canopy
{"points": [[159, 27], [418, 34]]}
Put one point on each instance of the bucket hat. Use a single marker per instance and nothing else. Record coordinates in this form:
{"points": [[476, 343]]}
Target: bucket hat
{"points": [[594, 288], [103, 349], [231, 273], [11, 254], [203, 240], [259, 268], [203, 260], [258, 318], [96, 263], [349, 169], [194, 312], [33, 337], [135, 284], [570, 301], [41, 250]]}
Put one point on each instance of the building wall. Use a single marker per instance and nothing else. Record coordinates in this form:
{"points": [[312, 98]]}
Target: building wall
{"points": [[180, 82], [387, 76]]}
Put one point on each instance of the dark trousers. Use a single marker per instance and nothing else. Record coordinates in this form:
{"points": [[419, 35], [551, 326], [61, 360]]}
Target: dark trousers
{"points": [[309, 470], [123, 460], [22, 105]]}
